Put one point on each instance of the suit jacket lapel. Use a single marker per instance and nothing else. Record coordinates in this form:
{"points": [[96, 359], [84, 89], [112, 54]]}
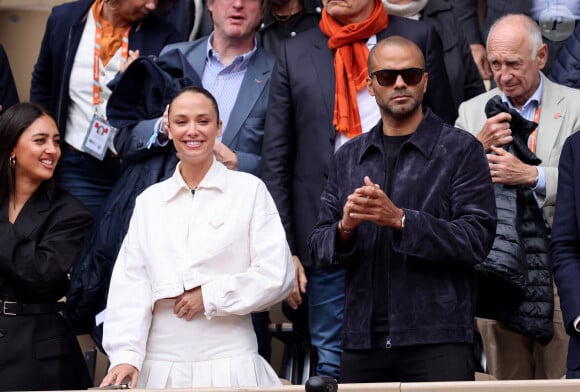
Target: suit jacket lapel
{"points": [[322, 62], [31, 214], [552, 114], [197, 57], [255, 80]]}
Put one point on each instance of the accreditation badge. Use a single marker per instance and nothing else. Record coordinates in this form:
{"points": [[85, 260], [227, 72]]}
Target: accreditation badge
{"points": [[98, 136]]}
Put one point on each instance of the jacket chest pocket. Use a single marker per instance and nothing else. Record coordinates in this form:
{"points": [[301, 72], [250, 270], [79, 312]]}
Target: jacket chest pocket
{"points": [[216, 235]]}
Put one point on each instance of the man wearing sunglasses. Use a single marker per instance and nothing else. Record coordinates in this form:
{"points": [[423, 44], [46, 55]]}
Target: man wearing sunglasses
{"points": [[408, 209], [318, 101]]}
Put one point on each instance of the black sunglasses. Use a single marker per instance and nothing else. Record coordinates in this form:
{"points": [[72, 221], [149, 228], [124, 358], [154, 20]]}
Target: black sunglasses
{"points": [[388, 77]]}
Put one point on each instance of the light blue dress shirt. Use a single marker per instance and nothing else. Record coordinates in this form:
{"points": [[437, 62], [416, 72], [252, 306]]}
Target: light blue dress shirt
{"points": [[224, 82]]}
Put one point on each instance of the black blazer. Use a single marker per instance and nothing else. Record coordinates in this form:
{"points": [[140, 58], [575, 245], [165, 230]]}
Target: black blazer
{"points": [[299, 139], [464, 77], [40, 352]]}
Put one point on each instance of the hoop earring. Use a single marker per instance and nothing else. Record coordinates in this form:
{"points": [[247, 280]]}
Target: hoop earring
{"points": [[12, 162]]}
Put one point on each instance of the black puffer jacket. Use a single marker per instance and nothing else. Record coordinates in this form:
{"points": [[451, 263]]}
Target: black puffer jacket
{"points": [[514, 282]]}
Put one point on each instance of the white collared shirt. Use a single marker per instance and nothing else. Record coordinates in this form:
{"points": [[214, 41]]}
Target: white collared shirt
{"points": [[227, 237], [81, 108]]}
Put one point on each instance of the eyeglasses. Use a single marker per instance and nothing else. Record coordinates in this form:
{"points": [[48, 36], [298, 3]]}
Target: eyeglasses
{"points": [[388, 77]]}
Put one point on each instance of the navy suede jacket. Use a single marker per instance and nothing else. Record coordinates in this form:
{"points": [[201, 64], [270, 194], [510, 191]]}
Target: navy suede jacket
{"points": [[443, 184]]}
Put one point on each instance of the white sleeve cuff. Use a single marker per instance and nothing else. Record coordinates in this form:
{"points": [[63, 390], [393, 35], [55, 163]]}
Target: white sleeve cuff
{"points": [[128, 357]]}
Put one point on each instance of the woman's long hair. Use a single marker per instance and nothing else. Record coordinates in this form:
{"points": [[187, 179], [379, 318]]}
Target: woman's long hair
{"points": [[13, 122]]}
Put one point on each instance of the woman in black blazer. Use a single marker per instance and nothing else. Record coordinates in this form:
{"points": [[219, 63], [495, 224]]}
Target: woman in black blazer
{"points": [[42, 229]]}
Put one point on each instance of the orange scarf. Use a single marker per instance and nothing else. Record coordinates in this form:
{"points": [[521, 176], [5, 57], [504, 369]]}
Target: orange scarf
{"points": [[112, 37], [348, 42]]}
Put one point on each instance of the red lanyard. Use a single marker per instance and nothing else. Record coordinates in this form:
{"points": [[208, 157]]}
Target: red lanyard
{"points": [[97, 54], [534, 134]]}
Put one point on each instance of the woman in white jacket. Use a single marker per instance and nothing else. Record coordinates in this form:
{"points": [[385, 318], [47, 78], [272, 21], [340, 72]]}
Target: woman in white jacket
{"points": [[204, 249]]}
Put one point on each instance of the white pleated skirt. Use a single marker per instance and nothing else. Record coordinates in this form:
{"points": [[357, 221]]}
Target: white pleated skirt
{"points": [[221, 352]]}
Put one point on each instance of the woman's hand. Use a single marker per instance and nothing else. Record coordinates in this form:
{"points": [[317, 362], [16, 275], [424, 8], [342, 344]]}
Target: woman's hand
{"points": [[121, 374], [189, 304]]}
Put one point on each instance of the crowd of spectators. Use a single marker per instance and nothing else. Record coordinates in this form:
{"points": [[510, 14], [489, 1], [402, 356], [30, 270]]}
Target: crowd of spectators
{"points": [[440, 248]]}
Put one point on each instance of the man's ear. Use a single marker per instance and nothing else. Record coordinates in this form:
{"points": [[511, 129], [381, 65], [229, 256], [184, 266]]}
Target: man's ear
{"points": [[542, 56], [370, 86]]}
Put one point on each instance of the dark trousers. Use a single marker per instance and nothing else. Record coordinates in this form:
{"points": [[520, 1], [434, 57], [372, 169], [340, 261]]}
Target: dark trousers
{"points": [[88, 179], [425, 363]]}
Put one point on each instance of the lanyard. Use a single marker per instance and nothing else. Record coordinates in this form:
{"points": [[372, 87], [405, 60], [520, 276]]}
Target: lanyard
{"points": [[534, 134], [97, 54]]}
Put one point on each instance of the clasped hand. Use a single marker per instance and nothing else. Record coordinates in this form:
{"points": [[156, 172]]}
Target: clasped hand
{"points": [[370, 203]]}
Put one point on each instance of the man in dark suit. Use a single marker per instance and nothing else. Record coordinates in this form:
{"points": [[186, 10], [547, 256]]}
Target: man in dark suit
{"points": [[565, 247], [303, 117]]}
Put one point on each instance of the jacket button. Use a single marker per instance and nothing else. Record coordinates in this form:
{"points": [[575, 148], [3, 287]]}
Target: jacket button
{"points": [[3, 332]]}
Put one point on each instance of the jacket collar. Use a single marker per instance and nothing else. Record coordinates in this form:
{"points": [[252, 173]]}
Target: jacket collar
{"points": [[215, 179], [424, 138], [435, 6], [30, 216]]}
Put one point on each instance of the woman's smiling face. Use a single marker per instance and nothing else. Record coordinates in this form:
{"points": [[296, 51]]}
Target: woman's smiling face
{"points": [[37, 151], [193, 127]]}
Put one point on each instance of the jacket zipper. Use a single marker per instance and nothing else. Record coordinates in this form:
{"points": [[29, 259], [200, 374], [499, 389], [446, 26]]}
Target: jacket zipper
{"points": [[385, 182]]}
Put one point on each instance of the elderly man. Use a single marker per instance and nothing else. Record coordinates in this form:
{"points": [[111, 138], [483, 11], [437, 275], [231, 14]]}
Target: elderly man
{"points": [[382, 217], [318, 101], [512, 339]]}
